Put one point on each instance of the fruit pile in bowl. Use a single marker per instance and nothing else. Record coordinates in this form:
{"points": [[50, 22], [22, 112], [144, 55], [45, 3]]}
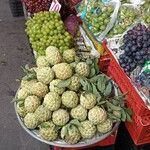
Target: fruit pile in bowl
{"points": [[65, 101]]}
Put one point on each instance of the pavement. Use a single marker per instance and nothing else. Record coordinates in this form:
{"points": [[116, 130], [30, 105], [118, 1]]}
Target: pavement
{"points": [[14, 53]]}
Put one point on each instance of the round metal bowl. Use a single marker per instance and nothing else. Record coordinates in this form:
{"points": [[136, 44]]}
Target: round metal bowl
{"points": [[60, 143]]}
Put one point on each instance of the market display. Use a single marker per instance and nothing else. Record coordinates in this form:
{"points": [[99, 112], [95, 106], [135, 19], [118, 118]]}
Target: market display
{"points": [[73, 101], [64, 99], [47, 29]]}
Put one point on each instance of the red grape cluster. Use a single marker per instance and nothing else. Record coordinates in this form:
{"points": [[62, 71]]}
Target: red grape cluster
{"points": [[34, 6]]}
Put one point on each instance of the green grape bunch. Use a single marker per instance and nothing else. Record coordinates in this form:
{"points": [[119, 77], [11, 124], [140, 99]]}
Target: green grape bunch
{"points": [[47, 29]]}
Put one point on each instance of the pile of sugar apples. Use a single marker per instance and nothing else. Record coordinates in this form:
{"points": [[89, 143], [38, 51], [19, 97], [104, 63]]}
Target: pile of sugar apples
{"points": [[51, 100]]}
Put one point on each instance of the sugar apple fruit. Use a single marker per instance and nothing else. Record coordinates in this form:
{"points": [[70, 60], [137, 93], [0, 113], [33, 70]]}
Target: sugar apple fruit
{"points": [[69, 55], [22, 94], [70, 99], [105, 127], [82, 69], [31, 121], [20, 109], [31, 103], [41, 61], [53, 56], [70, 134], [75, 83], [39, 89], [79, 113], [45, 75], [97, 115], [53, 87], [62, 71], [88, 100], [52, 101], [43, 114], [27, 84], [60, 117], [87, 129], [48, 131]]}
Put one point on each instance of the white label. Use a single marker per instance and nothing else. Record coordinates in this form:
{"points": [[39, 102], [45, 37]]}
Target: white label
{"points": [[55, 6]]}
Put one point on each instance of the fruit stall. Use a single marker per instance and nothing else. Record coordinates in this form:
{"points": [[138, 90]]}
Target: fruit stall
{"points": [[91, 74]]}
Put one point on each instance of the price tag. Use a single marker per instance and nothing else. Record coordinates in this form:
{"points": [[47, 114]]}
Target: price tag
{"points": [[55, 6]]}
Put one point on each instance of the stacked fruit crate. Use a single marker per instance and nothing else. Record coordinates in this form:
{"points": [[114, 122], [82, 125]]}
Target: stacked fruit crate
{"points": [[140, 126]]}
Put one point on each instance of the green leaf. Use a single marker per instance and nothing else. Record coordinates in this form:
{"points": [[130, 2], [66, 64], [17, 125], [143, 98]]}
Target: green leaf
{"points": [[92, 72], [129, 111], [108, 89], [123, 115], [89, 87], [95, 78], [101, 84], [16, 100], [95, 91], [113, 107], [101, 103], [75, 122], [64, 83], [89, 61], [99, 99], [44, 125], [128, 117], [64, 132], [82, 81], [111, 116]]}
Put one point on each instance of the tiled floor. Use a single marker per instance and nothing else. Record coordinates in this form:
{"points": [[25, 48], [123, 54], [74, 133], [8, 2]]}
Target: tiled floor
{"points": [[14, 52]]}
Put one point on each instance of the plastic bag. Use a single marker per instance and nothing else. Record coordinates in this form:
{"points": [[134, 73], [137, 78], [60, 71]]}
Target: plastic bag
{"points": [[127, 15], [99, 16]]}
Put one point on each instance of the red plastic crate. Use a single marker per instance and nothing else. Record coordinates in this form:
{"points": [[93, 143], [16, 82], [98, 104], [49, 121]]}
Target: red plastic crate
{"points": [[106, 142], [139, 129], [113, 69]]}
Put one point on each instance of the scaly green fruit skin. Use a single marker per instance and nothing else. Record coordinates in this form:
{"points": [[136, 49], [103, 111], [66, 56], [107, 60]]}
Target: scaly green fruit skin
{"points": [[69, 55], [31, 103], [52, 101], [105, 126], [79, 113], [62, 71], [22, 94], [82, 69], [70, 99], [28, 84], [97, 115], [42, 62], [30, 121], [73, 135], [53, 87], [75, 83], [20, 109], [87, 129], [60, 117], [88, 100], [43, 114], [39, 89], [53, 56], [49, 132], [45, 75]]}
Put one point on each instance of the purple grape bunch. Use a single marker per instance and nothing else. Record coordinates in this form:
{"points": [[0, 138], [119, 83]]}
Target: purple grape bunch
{"points": [[136, 47]]}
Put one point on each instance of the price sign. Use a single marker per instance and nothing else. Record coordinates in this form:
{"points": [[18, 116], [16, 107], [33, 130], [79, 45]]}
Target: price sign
{"points": [[55, 6]]}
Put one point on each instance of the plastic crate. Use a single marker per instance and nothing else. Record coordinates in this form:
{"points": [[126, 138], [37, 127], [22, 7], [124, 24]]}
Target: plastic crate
{"points": [[113, 69], [140, 127], [109, 141]]}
